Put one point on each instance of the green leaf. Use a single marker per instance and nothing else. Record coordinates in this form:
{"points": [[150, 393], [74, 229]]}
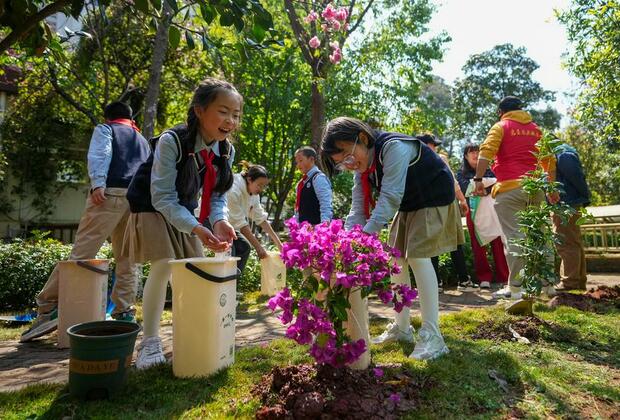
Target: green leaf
{"points": [[156, 4], [190, 40], [208, 13], [174, 37], [227, 19], [205, 42], [142, 5], [259, 33]]}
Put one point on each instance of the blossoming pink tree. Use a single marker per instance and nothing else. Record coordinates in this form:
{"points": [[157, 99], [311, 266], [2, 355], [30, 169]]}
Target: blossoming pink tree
{"points": [[342, 267], [321, 29]]}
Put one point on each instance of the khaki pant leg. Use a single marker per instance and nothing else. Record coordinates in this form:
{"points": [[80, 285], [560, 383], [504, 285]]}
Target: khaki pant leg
{"points": [[96, 225], [572, 254], [126, 283], [507, 204]]}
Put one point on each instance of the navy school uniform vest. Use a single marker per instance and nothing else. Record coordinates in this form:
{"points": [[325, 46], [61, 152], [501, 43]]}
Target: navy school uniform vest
{"points": [[309, 208], [429, 181], [129, 150], [139, 191]]}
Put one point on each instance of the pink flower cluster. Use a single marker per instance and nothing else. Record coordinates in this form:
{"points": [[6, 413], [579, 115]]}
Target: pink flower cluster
{"points": [[354, 257], [313, 325], [342, 260], [333, 20]]}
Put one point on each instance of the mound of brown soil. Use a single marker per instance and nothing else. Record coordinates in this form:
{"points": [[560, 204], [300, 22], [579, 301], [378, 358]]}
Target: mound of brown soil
{"points": [[599, 300], [605, 293], [310, 391], [528, 327]]}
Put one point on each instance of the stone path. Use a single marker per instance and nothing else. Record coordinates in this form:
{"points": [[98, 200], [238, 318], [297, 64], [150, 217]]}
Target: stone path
{"points": [[41, 362]]}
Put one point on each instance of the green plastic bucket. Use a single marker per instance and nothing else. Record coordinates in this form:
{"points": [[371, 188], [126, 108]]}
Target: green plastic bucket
{"points": [[101, 354]]}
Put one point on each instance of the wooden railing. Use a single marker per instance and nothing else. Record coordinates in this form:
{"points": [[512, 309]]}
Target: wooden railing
{"points": [[601, 238]]}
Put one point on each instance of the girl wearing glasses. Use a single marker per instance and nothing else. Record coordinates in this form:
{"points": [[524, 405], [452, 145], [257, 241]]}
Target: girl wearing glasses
{"points": [[416, 189], [244, 205]]}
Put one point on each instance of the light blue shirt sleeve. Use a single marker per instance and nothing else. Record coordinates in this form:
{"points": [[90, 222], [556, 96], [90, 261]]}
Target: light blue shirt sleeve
{"points": [[219, 202], [396, 158], [164, 194], [323, 191], [356, 214], [99, 155]]}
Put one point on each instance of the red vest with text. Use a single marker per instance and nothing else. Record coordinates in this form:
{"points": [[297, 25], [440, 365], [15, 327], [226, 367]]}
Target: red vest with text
{"points": [[515, 156]]}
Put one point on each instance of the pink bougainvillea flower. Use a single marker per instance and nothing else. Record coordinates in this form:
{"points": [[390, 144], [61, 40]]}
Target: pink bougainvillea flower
{"points": [[312, 16], [334, 45], [314, 42], [335, 56], [378, 372], [340, 261], [342, 14], [329, 13], [395, 398]]}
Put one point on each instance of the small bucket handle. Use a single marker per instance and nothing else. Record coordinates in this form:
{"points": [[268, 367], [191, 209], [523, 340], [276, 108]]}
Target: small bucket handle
{"points": [[92, 268], [210, 277]]}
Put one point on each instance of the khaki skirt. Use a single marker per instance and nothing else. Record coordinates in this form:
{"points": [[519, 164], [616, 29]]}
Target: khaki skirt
{"points": [[149, 237], [427, 232]]}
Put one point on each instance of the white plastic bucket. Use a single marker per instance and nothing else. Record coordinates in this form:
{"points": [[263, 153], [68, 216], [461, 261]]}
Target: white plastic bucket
{"points": [[82, 294], [203, 315], [272, 274], [357, 326]]}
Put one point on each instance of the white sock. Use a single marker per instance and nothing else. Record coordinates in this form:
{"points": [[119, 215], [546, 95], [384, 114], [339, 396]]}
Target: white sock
{"points": [[154, 297], [426, 279], [402, 319]]}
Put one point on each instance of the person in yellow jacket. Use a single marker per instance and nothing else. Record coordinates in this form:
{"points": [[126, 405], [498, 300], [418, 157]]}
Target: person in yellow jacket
{"points": [[511, 144]]}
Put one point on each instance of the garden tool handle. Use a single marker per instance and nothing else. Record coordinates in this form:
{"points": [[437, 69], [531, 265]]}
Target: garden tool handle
{"points": [[92, 268], [210, 277]]}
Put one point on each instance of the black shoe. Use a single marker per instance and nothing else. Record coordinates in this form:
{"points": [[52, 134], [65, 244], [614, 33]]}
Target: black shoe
{"points": [[466, 285]]}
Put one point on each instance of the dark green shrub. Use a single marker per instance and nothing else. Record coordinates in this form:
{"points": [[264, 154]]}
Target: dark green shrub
{"points": [[249, 281], [25, 265]]}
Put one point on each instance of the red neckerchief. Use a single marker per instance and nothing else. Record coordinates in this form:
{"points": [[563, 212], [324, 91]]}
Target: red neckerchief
{"points": [[300, 186], [369, 200], [124, 121], [207, 184]]}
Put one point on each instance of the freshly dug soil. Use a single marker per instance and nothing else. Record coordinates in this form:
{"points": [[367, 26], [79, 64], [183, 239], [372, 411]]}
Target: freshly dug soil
{"points": [[600, 300], [528, 327], [605, 293], [312, 392]]}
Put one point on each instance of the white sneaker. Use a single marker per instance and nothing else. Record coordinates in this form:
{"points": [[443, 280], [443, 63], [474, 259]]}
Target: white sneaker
{"points": [[502, 293], [485, 285], [150, 353], [393, 333], [430, 344]]}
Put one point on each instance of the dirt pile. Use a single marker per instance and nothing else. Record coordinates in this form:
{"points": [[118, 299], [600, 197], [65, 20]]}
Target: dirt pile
{"points": [[310, 391]]}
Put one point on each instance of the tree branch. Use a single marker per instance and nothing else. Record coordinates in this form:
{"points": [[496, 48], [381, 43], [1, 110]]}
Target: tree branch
{"points": [[359, 20], [68, 98], [29, 24], [298, 30]]}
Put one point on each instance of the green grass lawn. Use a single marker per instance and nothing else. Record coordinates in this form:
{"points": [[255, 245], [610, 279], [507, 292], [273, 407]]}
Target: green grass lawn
{"points": [[572, 372]]}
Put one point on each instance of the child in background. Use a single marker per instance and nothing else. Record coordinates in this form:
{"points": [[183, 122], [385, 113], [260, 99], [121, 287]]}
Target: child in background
{"points": [[481, 264], [413, 183], [189, 158], [313, 202], [243, 204]]}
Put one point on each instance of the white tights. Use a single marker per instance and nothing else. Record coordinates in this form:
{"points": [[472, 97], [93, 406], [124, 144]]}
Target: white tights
{"points": [[154, 297], [426, 280]]}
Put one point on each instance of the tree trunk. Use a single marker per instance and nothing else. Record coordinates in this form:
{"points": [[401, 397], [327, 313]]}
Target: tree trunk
{"points": [[160, 48], [318, 115]]}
